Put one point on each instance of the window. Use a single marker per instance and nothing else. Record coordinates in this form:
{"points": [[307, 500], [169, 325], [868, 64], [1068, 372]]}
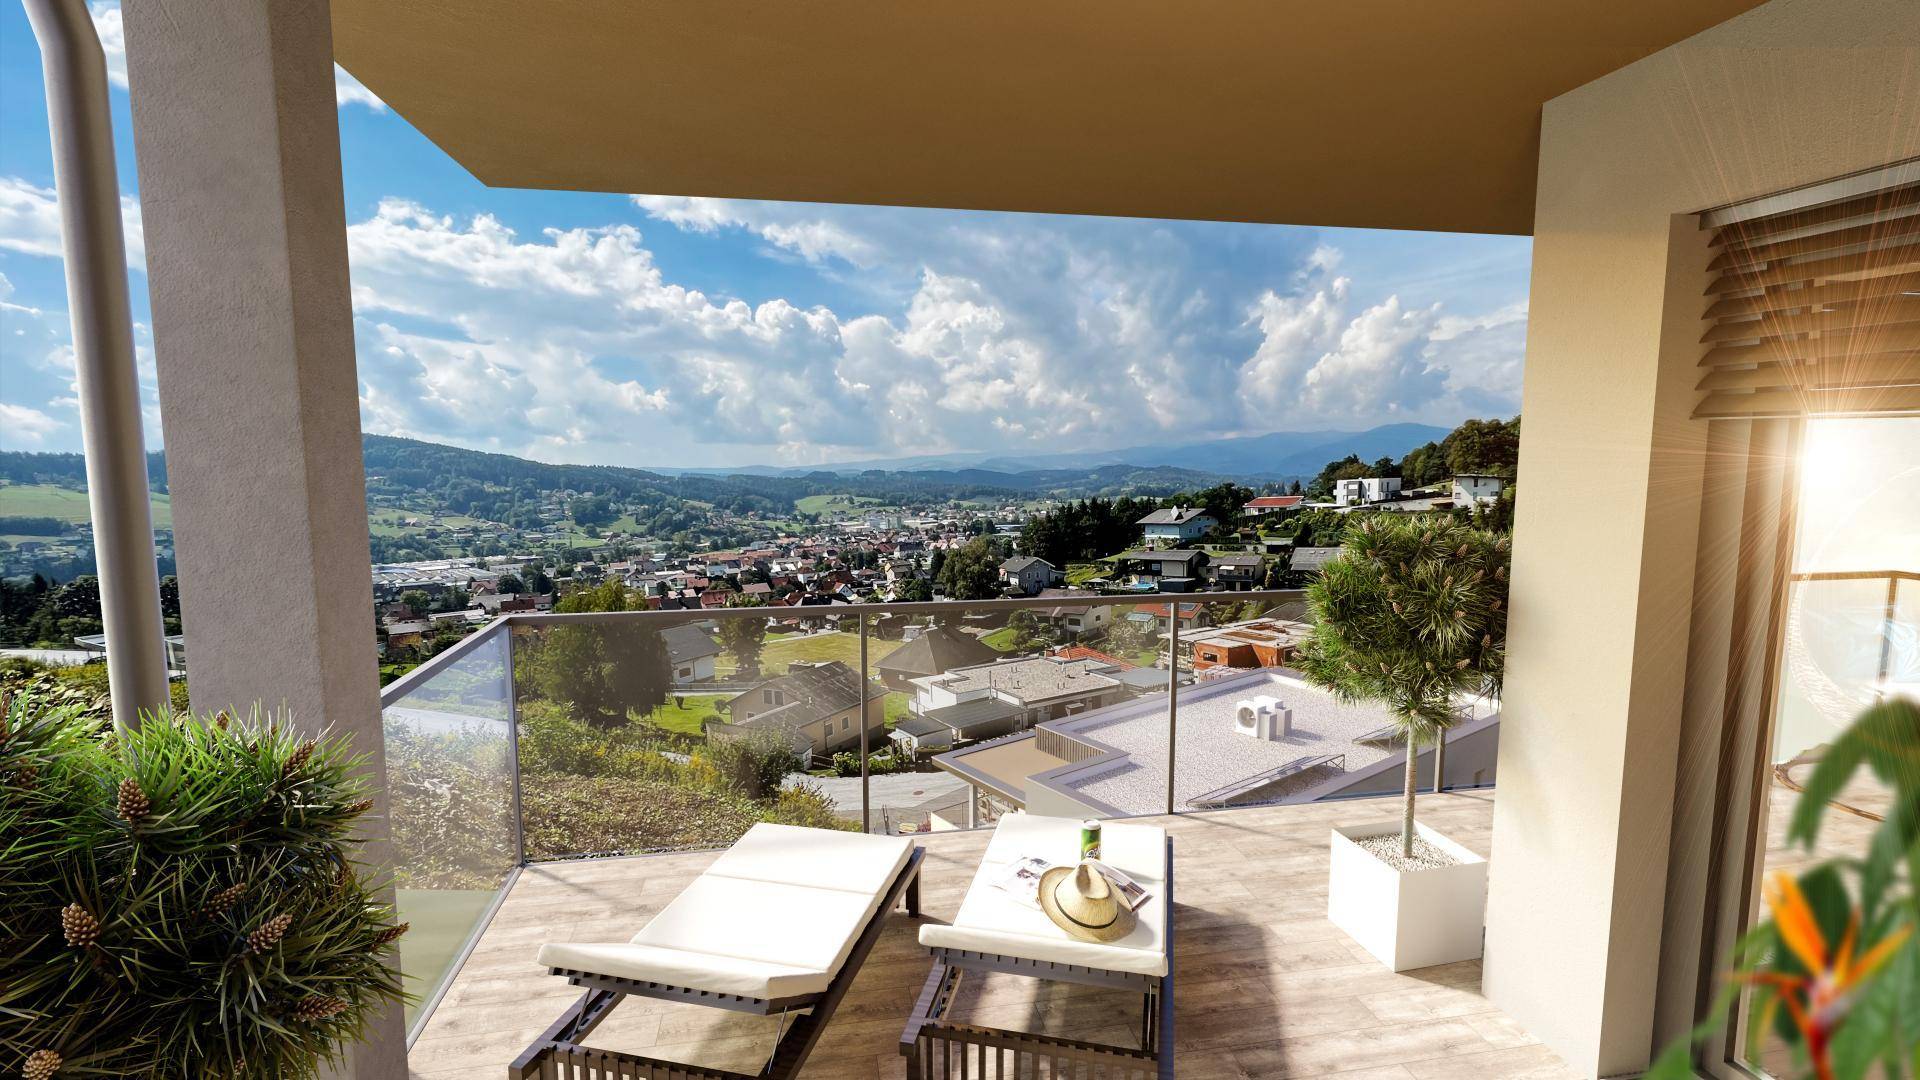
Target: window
{"points": [[1850, 635]]}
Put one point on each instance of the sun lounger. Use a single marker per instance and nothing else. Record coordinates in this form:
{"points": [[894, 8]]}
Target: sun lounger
{"points": [[780, 923]]}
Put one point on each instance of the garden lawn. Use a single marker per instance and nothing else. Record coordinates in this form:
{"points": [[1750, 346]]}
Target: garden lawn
{"points": [[840, 645], [683, 714], [896, 709], [67, 504], [1000, 640]]}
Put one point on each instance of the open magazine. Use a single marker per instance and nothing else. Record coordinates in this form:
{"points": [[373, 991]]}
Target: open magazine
{"points": [[1020, 879]]}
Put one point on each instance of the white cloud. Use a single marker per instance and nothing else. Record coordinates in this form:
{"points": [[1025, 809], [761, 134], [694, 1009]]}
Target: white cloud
{"points": [[1018, 334], [815, 239], [23, 426], [113, 40], [29, 218], [348, 91], [30, 221], [948, 331]]}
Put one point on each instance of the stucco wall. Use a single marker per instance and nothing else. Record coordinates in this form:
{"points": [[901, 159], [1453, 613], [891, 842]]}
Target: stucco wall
{"points": [[1795, 92]]}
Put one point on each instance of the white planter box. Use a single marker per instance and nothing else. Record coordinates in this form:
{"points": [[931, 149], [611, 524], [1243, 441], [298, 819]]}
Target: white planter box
{"points": [[1411, 919]]}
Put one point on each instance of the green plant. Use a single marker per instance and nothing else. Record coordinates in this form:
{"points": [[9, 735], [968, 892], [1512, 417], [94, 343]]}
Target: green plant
{"points": [[1834, 973], [182, 900], [1411, 614]]}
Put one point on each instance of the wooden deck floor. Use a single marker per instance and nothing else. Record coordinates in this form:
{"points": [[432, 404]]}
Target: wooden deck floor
{"points": [[1267, 986]]}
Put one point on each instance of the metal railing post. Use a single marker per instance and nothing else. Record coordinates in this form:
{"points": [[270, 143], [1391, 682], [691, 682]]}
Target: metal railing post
{"points": [[513, 753], [866, 810], [1440, 761], [1173, 692], [93, 242]]}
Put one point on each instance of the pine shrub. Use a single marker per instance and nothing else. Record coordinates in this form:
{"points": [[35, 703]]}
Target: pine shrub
{"points": [[181, 901]]}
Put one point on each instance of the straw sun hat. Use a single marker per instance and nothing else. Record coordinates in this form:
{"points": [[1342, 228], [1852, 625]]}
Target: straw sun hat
{"points": [[1081, 901]]}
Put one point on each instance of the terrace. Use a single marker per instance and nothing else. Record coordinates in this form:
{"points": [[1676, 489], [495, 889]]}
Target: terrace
{"points": [[1269, 988]]}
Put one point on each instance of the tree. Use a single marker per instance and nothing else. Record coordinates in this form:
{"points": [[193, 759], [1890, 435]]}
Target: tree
{"points": [[1412, 614], [417, 601], [972, 572], [603, 671], [1028, 631], [591, 510], [917, 590], [1483, 446], [744, 635], [509, 583]]}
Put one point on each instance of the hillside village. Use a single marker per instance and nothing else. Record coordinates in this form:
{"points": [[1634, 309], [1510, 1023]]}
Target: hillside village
{"points": [[768, 652]]}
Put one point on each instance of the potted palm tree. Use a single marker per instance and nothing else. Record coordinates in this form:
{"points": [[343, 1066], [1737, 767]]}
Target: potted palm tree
{"points": [[1412, 615]]}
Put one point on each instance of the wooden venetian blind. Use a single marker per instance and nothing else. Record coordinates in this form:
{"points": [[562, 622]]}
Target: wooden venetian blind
{"points": [[1816, 310]]}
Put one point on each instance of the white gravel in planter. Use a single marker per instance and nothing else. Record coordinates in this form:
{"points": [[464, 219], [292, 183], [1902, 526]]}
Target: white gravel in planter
{"points": [[1426, 856]]}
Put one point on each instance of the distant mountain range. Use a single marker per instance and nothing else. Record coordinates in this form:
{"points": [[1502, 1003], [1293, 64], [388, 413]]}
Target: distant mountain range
{"points": [[1276, 456]]}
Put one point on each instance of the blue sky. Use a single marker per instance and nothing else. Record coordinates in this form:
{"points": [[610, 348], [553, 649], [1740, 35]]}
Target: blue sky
{"points": [[665, 331]]}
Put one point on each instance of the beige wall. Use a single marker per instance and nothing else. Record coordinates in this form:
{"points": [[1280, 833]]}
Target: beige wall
{"points": [[1794, 92]]}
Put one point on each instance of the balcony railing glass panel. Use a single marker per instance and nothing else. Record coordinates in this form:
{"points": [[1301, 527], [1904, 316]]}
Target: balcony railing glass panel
{"points": [[449, 759]]}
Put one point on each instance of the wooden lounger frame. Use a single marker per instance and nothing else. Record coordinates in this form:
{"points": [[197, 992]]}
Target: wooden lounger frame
{"points": [[937, 1049], [558, 1053]]}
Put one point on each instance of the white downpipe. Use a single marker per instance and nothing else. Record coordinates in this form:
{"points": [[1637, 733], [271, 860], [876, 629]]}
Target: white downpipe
{"points": [[96, 260]]}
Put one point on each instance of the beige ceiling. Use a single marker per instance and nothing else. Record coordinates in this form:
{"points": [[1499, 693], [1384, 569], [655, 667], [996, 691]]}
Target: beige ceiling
{"points": [[1415, 114]]}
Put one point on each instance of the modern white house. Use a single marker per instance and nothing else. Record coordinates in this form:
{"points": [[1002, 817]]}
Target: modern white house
{"points": [[1365, 491], [1112, 762]]}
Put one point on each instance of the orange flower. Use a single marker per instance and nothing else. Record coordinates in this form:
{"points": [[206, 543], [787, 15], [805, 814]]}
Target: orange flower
{"points": [[1817, 1001]]}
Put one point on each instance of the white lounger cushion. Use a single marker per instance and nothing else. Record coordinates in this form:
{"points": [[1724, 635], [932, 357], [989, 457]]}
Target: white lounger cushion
{"points": [[991, 921], [775, 916], [818, 858], [677, 967]]}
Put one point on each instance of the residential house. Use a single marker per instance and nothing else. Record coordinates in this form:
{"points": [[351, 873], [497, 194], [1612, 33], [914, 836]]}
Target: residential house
{"points": [[1271, 504], [1176, 525], [1191, 615], [1256, 643], [1040, 688], [1074, 620], [1305, 562], [1169, 570], [1027, 575], [691, 653], [1470, 489], [955, 725], [1238, 572], [818, 707], [936, 651], [407, 633]]}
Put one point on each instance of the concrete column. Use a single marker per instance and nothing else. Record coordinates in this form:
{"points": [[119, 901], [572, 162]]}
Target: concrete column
{"points": [[1614, 517], [237, 139]]}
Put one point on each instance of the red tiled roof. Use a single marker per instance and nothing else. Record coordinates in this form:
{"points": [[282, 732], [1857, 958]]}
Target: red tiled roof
{"points": [[1277, 500], [1160, 611], [1082, 652]]}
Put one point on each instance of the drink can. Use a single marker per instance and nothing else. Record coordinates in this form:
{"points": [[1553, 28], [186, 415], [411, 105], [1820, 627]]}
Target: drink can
{"points": [[1090, 839]]}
